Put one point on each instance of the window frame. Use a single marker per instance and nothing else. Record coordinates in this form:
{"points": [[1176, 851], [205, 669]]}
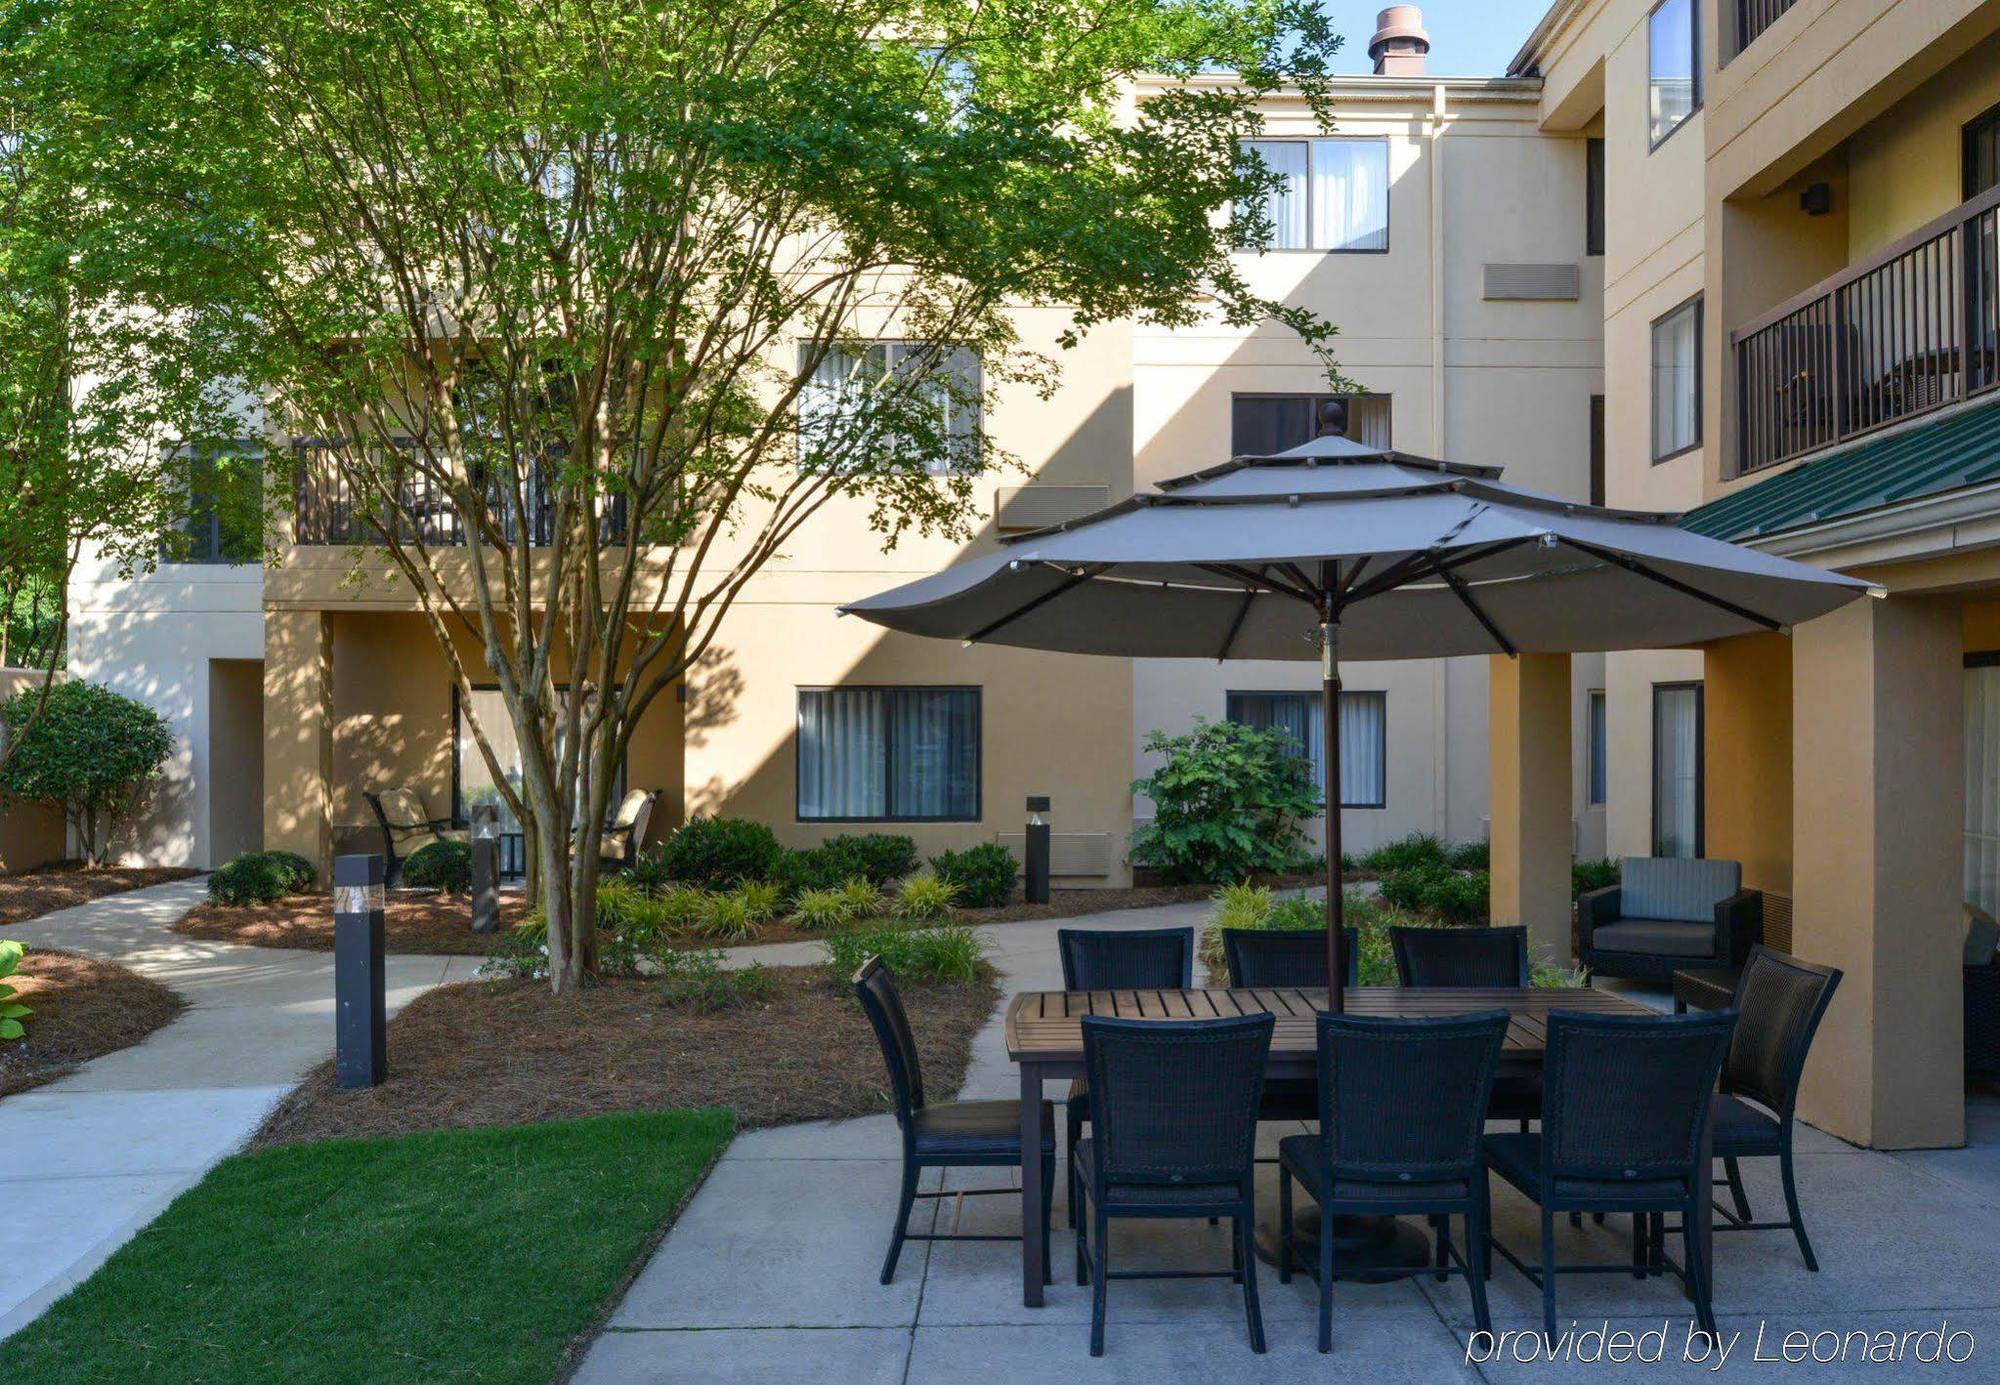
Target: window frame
{"points": [[210, 545], [1315, 398], [1379, 694], [1593, 196], [978, 692], [1700, 762], [1694, 71], [977, 437], [459, 817], [1969, 132], [1388, 211], [1596, 770], [1695, 304]]}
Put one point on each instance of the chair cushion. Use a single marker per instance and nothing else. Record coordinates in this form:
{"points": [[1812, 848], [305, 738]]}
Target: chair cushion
{"points": [[1686, 888], [1305, 1156], [1517, 1157], [402, 808], [1736, 1127], [1668, 937], [1982, 936], [628, 808], [976, 1129], [1151, 1194]]}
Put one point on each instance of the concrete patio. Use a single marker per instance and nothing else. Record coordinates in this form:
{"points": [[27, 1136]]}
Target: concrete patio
{"points": [[771, 1271]]}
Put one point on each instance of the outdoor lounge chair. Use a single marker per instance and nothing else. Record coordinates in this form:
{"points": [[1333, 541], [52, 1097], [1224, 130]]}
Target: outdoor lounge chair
{"points": [[1173, 1127], [405, 825], [1403, 1102], [625, 836], [948, 1135], [1666, 914]]}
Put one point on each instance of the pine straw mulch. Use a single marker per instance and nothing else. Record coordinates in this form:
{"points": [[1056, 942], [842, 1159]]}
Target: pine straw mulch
{"points": [[84, 1009], [434, 924], [485, 1053], [36, 892]]}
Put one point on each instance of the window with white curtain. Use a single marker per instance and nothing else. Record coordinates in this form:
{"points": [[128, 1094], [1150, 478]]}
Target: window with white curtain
{"points": [[1334, 193], [1982, 781], [1677, 770], [1673, 55], [1364, 738], [1677, 381], [888, 754], [1599, 744], [1261, 424], [838, 429], [473, 783]]}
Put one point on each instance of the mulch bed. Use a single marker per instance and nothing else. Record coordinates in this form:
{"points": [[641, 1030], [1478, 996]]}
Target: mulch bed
{"points": [[427, 923], [34, 893], [84, 1009], [489, 1053]]}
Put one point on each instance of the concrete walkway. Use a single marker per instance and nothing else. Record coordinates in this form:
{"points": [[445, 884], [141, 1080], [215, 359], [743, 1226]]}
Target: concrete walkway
{"points": [[770, 1273], [91, 1159]]}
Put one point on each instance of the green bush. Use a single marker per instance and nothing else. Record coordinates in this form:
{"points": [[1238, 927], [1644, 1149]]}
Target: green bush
{"points": [[87, 748], [984, 874], [696, 980], [648, 871], [1450, 896], [877, 857], [252, 878], [720, 853], [1226, 804], [439, 866], [811, 868], [1470, 856], [681, 906], [12, 1012], [923, 898], [820, 909], [1408, 853], [1254, 906], [1592, 875], [299, 873], [863, 899], [760, 900], [950, 952], [724, 916]]}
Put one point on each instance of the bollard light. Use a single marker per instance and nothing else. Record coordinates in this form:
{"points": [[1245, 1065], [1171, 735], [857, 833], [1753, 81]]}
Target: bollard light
{"points": [[485, 868], [360, 1015], [1035, 885]]}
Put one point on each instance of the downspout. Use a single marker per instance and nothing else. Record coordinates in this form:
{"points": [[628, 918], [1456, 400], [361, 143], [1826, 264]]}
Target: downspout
{"points": [[1440, 686]]}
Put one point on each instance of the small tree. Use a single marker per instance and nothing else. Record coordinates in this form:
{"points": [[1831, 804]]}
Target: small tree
{"points": [[1227, 803], [89, 749]]}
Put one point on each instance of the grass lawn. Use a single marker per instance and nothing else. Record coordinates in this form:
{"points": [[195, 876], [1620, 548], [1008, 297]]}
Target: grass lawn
{"points": [[462, 1254]]}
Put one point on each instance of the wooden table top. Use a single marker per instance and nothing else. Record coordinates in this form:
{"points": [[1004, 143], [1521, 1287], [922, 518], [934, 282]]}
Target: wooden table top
{"points": [[1046, 1026]]}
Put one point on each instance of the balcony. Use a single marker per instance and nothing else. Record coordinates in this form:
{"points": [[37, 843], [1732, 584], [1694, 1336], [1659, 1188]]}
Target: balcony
{"points": [[1910, 329], [1753, 17], [328, 512]]}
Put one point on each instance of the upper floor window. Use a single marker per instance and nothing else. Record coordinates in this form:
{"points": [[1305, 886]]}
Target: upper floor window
{"points": [[1263, 424], [1982, 152], [870, 398], [225, 509], [1593, 197], [894, 754], [1334, 193], [1673, 45], [1677, 380]]}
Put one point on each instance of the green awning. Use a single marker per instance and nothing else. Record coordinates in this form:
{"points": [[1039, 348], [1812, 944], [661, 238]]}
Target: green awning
{"points": [[1929, 459]]}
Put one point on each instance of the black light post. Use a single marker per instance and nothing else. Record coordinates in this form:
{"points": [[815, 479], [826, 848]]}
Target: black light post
{"points": [[485, 868], [1035, 882], [360, 1013]]}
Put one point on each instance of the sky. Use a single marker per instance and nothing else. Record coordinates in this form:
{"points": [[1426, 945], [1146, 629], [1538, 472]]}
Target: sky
{"points": [[1469, 38]]}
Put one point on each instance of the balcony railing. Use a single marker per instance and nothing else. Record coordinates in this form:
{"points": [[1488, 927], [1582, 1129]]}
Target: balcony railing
{"points": [[1910, 329], [1753, 17], [329, 512]]}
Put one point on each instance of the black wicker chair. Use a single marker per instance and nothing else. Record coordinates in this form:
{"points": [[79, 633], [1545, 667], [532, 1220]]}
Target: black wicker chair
{"points": [[1259, 957], [1779, 1004], [1625, 1128], [1173, 1127], [1403, 1102], [1109, 959], [949, 1135], [1462, 957]]}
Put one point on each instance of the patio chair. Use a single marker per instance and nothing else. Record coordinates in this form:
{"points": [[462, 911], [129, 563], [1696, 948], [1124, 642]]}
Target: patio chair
{"points": [[1666, 914], [1260, 957], [1173, 1128], [1625, 1114], [1106, 959], [620, 842], [1474, 957], [945, 1135], [405, 825], [1402, 1105], [1780, 1001]]}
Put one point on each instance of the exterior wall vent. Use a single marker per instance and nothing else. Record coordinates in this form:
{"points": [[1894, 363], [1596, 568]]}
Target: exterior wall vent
{"points": [[1083, 854], [1532, 282], [1039, 506]]}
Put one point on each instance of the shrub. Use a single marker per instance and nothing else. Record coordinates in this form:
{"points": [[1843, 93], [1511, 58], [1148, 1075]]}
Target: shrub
{"points": [[1470, 856], [439, 866], [252, 878], [863, 899], [1260, 907], [723, 916], [720, 853], [984, 874], [949, 952], [1450, 896], [877, 857], [90, 749], [1226, 804], [1404, 887], [298, 873], [1592, 875], [817, 909], [619, 903], [631, 918], [681, 906], [924, 897], [1408, 853], [697, 980], [648, 871], [811, 868], [12, 1012], [760, 900]]}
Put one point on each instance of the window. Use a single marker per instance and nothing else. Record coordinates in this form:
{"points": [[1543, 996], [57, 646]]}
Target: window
{"points": [[1982, 152], [854, 407], [1597, 449], [225, 518], [1262, 424], [472, 782], [1364, 751], [1594, 776], [1677, 769], [1593, 197], [1982, 780], [1673, 46], [888, 755], [1335, 193], [1677, 381]]}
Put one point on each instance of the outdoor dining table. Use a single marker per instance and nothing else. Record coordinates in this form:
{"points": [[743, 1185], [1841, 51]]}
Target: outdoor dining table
{"points": [[1045, 1038]]}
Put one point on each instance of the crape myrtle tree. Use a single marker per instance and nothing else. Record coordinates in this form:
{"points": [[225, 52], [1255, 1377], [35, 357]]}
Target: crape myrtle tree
{"points": [[575, 295]]}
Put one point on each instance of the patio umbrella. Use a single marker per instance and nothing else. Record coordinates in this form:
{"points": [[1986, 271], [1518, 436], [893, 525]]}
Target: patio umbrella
{"points": [[1333, 548]]}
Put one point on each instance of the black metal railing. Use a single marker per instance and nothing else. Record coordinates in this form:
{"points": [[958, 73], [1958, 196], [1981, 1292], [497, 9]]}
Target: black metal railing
{"points": [[1910, 329], [1753, 17], [330, 513]]}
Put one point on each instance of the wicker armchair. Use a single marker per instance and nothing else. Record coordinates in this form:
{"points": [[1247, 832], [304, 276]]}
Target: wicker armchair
{"points": [[1474, 957], [1666, 914], [1402, 1105], [1173, 1128]]}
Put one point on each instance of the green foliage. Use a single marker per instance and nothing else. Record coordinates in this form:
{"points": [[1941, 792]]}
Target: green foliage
{"points": [[443, 865], [864, 899], [90, 749], [760, 900], [255, 877], [724, 916], [1592, 875], [697, 980], [1549, 977], [682, 906], [634, 918], [299, 873], [984, 874], [1227, 803], [1255, 906], [1450, 896], [648, 871], [720, 853], [12, 1012], [1470, 856], [923, 898], [821, 909], [1418, 850], [877, 857], [948, 952]]}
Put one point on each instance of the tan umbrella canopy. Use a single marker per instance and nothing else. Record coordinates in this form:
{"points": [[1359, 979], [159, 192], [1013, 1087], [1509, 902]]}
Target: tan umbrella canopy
{"points": [[1335, 549]]}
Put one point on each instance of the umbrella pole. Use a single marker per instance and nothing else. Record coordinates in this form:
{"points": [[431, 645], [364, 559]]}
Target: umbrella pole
{"points": [[1336, 909]]}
